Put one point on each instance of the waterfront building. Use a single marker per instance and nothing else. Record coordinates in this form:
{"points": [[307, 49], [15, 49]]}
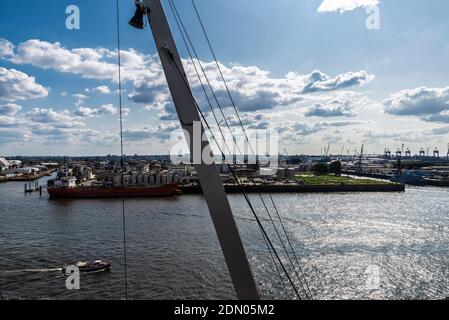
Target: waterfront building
{"points": [[4, 164]]}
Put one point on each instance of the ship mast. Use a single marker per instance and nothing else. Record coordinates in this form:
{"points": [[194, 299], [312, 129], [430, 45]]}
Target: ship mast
{"points": [[213, 190]]}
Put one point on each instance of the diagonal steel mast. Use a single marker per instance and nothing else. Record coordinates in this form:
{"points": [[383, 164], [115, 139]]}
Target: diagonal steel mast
{"points": [[213, 189]]}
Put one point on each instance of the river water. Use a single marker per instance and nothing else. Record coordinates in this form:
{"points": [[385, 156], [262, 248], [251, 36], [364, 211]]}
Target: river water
{"points": [[350, 246]]}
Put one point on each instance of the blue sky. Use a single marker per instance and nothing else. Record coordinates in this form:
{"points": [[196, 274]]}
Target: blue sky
{"points": [[308, 68]]}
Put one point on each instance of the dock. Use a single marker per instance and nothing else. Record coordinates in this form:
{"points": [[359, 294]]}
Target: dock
{"points": [[31, 187]]}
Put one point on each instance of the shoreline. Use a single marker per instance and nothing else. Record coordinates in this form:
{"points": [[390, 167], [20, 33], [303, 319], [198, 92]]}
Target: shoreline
{"points": [[27, 178], [295, 188], [262, 188]]}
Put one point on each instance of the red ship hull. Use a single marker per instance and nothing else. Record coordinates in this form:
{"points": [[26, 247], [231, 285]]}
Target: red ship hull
{"points": [[112, 192]]}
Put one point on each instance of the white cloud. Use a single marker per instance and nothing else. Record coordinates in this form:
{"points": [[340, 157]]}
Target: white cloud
{"points": [[8, 121], [442, 117], [75, 136], [397, 136], [318, 81], [11, 136], [161, 132], [6, 49], [81, 98], [252, 88], [57, 119], [442, 131], [85, 61], [107, 109], [98, 63], [334, 108], [102, 89], [9, 109], [345, 5], [303, 129], [430, 104], [16, 85], [249, 120], [256, 93]]}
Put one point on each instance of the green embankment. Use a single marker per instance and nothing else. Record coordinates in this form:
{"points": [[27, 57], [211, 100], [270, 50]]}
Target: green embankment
{"points": [[337, 180]]}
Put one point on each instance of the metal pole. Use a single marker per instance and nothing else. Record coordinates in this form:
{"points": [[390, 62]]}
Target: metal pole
{"points": [[212, 187]]}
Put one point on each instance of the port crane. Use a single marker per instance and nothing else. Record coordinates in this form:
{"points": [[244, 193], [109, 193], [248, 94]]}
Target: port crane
{"points": [[360, 168], [325, 151], [340, 156], [399, 153], [190, 120], [422, 153], [408, 153], [436, 153]]}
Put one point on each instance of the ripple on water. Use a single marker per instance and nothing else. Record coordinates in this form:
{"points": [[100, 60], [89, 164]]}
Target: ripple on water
{"points": [[367, 246]]}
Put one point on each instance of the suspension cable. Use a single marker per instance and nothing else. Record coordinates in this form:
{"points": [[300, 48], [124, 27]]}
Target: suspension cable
{"points": [[186, 84], [184, 38], [275, 265], [283, 245], [179, 22], [176, 13], [121, 144], [221, 73], [243, 128], [177, 18], [291, 246], [219, 127]]}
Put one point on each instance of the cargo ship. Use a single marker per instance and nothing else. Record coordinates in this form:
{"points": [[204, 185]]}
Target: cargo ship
{"points": [[64, 186], [114, 192]]}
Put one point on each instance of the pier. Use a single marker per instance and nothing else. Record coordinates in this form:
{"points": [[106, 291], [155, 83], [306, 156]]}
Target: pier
{"points": [[31, 187]]}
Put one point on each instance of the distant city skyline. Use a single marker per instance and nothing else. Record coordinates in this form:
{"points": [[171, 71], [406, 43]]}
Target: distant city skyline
{"points": [[311, 69]]}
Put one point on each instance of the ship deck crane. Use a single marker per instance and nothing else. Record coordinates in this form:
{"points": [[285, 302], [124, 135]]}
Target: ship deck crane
{"points": [[188, 114]]}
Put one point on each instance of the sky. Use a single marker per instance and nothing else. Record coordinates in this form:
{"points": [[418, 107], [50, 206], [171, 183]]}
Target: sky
{"points": [[338, 72]]}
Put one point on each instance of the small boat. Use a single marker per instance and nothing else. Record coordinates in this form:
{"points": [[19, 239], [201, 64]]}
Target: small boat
{"points": [[86, 266]]}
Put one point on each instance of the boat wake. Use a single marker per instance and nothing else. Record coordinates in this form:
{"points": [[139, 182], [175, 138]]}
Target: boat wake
{"points": [[32, 270]]}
